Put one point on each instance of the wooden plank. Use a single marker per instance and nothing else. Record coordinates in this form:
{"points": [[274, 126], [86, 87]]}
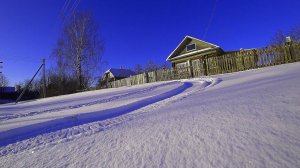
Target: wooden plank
{"points": [[227, 63], [296, 52]]}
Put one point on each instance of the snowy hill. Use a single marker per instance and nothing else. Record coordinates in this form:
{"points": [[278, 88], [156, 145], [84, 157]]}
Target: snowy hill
{"points": [[244, 119]]}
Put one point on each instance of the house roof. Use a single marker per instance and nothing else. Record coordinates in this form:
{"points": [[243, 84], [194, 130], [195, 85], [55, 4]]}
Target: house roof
{"points": [[120, 73], [194, 52], [183, 44]]}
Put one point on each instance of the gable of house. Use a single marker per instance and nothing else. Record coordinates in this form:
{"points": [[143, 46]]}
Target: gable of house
{"points": [[192, 47]]}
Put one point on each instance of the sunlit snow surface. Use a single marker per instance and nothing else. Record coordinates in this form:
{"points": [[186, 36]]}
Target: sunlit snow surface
{"points": [[244, 119]]}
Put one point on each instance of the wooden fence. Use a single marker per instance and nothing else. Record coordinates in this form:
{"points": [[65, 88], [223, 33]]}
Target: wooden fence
{"points": [[226, 63]]}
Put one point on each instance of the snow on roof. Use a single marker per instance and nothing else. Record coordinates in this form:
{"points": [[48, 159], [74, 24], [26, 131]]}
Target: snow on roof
{"points": [[121, 73], [247, 49]]}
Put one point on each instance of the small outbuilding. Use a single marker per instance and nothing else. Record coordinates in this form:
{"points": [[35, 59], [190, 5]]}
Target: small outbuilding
{"points": [[191, 51], [116, 74]]}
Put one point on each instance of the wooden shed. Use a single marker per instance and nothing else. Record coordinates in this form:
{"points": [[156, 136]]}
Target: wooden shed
{"points": [[114, 74]]}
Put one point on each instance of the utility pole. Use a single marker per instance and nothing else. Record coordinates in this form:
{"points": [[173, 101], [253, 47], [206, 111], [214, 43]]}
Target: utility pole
{"points": [[44, 78], [1, 82], [1, 66], [42, 65]]}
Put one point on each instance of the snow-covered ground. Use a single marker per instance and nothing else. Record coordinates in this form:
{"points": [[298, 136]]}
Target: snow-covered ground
{"points": [[244, 119]]}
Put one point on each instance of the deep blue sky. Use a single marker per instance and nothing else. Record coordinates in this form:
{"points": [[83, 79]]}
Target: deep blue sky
{"points": [[135, 31]]}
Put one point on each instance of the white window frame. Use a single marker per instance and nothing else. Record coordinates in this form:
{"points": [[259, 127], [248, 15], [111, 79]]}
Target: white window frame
{"points": [[192, 49]]}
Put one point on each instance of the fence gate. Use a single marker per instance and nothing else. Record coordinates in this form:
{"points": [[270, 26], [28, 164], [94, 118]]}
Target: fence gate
{"points": [[197, 66]]}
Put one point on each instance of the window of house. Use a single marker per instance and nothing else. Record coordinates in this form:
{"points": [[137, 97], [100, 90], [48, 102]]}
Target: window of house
{"points": [[190, 47]]}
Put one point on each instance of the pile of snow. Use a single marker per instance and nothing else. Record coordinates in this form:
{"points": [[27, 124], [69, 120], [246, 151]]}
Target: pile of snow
{"points": [[244, 119]]}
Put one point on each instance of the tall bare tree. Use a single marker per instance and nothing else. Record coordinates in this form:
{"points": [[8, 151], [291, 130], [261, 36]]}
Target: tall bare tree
{"points": [[79, 49]]}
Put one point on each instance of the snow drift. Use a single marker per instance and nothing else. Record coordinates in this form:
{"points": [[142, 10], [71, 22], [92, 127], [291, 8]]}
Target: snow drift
{"points": [[244, 119]]}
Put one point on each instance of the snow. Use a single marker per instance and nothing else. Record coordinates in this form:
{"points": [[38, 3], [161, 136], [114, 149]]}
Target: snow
{"points": [[243, 119]]}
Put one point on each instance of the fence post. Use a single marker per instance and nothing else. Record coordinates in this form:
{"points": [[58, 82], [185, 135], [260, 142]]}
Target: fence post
{"points": [[243, 60], [255, 58], [296, 49], [235, 62], [205, 65], [190, 69], [129, 82], [155, 76], [286, 54], [146, 77], [290, 53]]}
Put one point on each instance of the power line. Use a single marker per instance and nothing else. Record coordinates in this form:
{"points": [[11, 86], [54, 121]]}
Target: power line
{"points": [[66, 9], [22, 59], [66, 4], [1, 66], [210, 19], [70, 9], [74, 9]]}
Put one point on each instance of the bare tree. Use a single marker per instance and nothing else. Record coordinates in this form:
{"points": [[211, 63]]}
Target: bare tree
{"points": [[295, 34], [151, 66], [63, 65], [280, 37], [3, 80], [79, 50], [165, 65], [138, 69]]}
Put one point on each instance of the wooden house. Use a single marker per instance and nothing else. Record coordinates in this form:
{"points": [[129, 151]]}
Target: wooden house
{"points": [[191, 51]]}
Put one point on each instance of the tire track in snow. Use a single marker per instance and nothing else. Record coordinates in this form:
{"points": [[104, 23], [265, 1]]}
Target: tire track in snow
{"points": [[100, 101], [86, 129], [21, 133]]}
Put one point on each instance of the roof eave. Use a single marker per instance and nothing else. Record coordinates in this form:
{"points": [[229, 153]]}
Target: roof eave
{"points": [[204, 41], [177, 47], [205, 51]]}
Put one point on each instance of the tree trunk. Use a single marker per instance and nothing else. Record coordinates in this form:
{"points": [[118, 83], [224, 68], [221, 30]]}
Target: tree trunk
{"points": [[79, 72]]}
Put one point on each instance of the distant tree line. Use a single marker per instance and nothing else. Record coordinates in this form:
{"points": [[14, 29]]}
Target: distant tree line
{"points": [[33, 92], [150, 66]]}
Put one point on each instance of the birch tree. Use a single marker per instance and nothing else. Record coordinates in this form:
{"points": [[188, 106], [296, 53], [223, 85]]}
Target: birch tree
{"points": [[79, 49]]}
